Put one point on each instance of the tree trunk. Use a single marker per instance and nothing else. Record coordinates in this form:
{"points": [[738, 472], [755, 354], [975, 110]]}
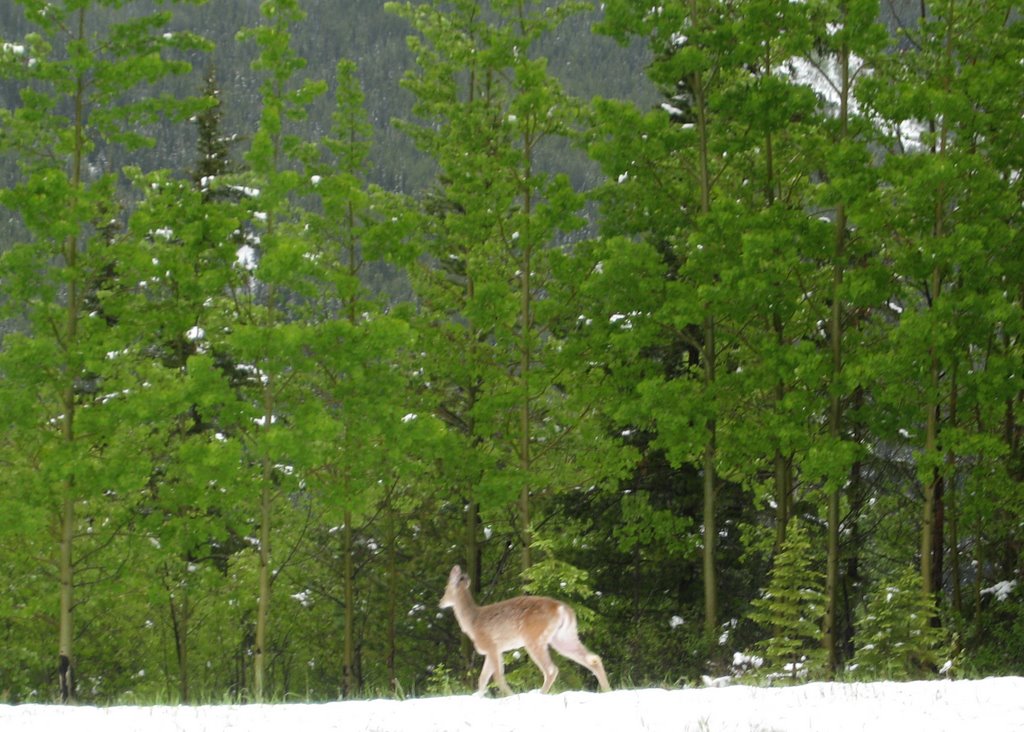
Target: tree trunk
{"points": [[783, 464], [263, 608], [710, 490], [525, 362], [939, 537], [392, 607], [931, 515], [474, 559], [66, 658], [829, 636], [852, 575], [65, 665], [710, 446], [931, 523], [832, 580], [349, 683], [265, 574], [783, 498], [179, 625], [949, 487], [954, 550], [928, 514]]}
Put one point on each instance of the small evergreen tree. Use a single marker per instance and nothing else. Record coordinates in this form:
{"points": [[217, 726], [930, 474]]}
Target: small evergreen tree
{"points": [[791, 609], [898, 638], [213, 147]]}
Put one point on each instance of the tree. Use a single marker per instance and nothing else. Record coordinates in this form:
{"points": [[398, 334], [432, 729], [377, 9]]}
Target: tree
{"points": [[175, 263], [494, 233], [795, 296], [837, 65], [791, 609], [728, 220], [948, 201], [683, 67], [80, 75], [897, 638], [263, 338], [359, 350]]}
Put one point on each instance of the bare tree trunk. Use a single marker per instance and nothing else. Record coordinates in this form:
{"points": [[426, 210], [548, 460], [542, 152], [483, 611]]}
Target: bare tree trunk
{"points": [[852, 575], [526, 361], [65, 667], [349, 683], [391, 534], [263, 609], [265, 572], [930, 515], [954, 548], [179, 625], [783, 498], [710, 491]]}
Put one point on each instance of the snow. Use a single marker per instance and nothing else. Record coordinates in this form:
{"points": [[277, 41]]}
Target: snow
{"points": [[937, 706], [1001, 590], [672, 110], [246, 257]]}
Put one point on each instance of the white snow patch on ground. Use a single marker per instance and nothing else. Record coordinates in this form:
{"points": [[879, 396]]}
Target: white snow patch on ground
{"points": [[936, 706]]}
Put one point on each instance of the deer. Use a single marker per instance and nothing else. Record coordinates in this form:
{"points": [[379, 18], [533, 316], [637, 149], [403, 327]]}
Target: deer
{"points": [[528, 621]]}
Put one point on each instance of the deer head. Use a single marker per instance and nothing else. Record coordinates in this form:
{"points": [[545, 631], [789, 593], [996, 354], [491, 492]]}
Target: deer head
{"points": [[458, 582]]}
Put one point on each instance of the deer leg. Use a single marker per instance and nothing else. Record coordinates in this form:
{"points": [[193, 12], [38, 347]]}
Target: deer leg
{"points": [[498, 664], [574, 650], [485, 675], [542, 658]]}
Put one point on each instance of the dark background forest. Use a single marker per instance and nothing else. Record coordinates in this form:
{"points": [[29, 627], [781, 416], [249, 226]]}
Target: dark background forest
{"points": [[705, 317]]}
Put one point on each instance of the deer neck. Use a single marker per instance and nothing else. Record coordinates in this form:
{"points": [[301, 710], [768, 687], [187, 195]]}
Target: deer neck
{"points": [[466, 612]]}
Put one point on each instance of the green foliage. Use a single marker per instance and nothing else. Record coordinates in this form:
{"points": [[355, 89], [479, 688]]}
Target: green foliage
{"points": [[897, 636], [993, 635], [441, 682], [494, 304], [255, 405], [791, 609]]}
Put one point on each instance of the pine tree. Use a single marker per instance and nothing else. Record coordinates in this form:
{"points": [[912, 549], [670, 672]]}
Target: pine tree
{"points": [[213, 157], [265, 332], [356, 430], [181, 245], [494, 228], [897, 637], [791, 609], [84, 80]]}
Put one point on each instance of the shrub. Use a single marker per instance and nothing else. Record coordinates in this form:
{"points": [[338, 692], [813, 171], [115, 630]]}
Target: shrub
{"points": [[791, 609], [898, 635]]}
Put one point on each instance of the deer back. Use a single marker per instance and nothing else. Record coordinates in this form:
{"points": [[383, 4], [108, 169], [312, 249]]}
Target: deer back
{"points": [[517, 622]]}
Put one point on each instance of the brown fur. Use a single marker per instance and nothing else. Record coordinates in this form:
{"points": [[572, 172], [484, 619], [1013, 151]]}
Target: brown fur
{"points": [[525, 621]]}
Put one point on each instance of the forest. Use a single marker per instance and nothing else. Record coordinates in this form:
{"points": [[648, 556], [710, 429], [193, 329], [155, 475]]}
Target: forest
{"points": [[705, 317]]}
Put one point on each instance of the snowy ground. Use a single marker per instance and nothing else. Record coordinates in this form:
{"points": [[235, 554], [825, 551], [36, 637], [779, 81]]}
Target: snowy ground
{"points": [[993, 705]]}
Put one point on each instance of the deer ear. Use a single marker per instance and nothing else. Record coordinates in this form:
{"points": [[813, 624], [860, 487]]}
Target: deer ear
{"points": [[455, 574]]}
